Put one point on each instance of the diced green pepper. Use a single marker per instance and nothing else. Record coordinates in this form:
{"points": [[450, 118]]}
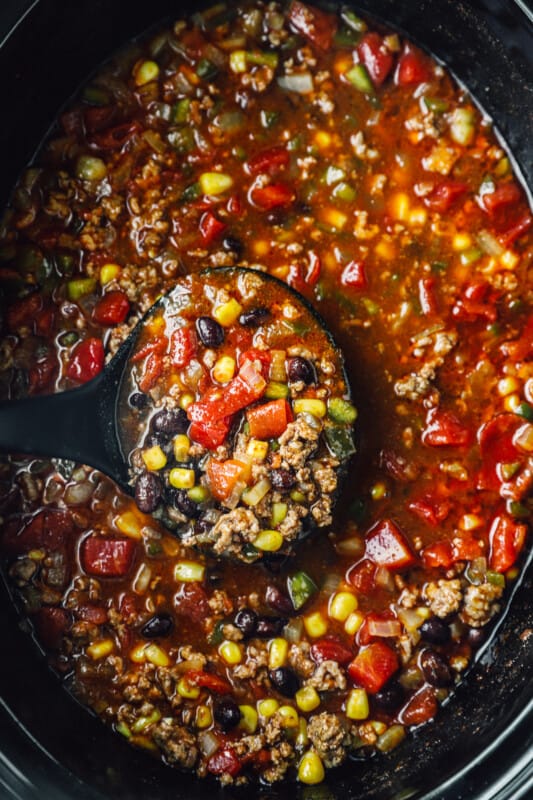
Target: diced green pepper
{"points": [[198, 494], [353, 21], [339, 441], [180, 112], [509, 469], [346, 37], [496, 578], [269, 118], [343, 191], [182, 140], [276, 390], [357, 509], [360, 79], [341, 411], [206, 69], [526, 411], [301, 587], [217, 634], [279, 512], [191, 193], [470, 256], [262, 58], [519, 510], [435, 104], [96, 96], [123, 729], [80, 287]]}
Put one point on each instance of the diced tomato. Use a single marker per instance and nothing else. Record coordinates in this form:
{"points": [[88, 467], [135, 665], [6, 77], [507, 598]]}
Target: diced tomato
{"points": [[254, 354], [223, 476], [106, 557], [444, 429], [426, 294], [518, 227], [247, 387], [330, 650], [153, 368], [505, 195], [375, 56], [387, 621], [224, 761], [317, 26], [496, 443], [421, 707], [98, 118], [466, 548], [115, 138], [387, 546], [507, 538], [413, 67], [183, 346], [44, 321], [129, 608], [24, 311], [361, 576], [112, 308], [206, 680], [274, 195], [51, 624], [313, 271], [156, 345], [86, 361], [48, 529], [41, 374], [269, 420], [354, 275], [444, 195], [521, 349], [191, 601], [210, 434], [269, 161], [96, 615], [210, 228], [438, 554], [431, 509], [374, 666], [478, 301]]}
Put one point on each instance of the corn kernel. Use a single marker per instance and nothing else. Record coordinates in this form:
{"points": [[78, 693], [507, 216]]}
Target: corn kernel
{"points": [[257, 450], [277, 653], [224, 369], [323, 140], [297, 496], [378, 491], [469, 522], [237, 61], [357, 704], [333, 217], [400, 207], [187, 690], [181, 446], [249, 719], [213, 183], [227, 313], [310, 405], [508, 386], [267, 707], [100, 649], [261, 248], [289, 717], [311, 769], [154, 458], [128, 524], [144, 722], [302, 739], [146, 71], [315, 625], [137, 654], [198, 494], [230, 652], [189, 571], [341, 606], [269, 541], [182, 478], [511, 402], [385, 249], [185, 400], [509, 259], [108, 273], [204, 717], [157, 656], [36, 555], [418, 216], [461, 241], [353, 623], [307, 698]]}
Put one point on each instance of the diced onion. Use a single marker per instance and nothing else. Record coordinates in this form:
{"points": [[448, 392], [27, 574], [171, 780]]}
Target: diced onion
{"points": [[142, 579], [331, 583], [78, 493], [353, 546], [252, 377], [299, 82], [208, 742], [384, 579], [189, 665], [293, 630], [233, 500], [384, 627], [489, 244]]}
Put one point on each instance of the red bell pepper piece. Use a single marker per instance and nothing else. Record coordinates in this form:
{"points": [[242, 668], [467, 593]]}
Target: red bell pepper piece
{"points": [[361, 576], [354, 275], [210, 228], [466, 548], [421, 707], [86, 361], [330, 650], [210, 434], [413, 67], [366, 636], [183, 346], [206, 680], [41, 374], [431, 509], [158, 345], [444, 195], [106, 557], [269, 420], [269, 161], [507, 538], [374, 666], [522, 224], [439, 554], [247, 387], [255, 354], [387, 546], [275, 195], [496, 444], [112, 308], [152, 370], [444, 429], [224, 761], [223, 476], [477, 302], [317, 26], [376, 57], [521, 349], [505, 195]]}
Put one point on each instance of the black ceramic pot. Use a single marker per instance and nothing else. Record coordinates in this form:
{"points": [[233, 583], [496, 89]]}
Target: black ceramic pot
{"points": [[480, 747]]}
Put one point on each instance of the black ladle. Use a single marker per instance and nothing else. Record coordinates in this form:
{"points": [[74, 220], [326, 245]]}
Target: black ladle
{"points": [[82, 424]]}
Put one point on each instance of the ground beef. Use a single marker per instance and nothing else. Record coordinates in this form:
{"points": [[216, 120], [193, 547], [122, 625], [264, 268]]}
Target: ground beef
{"points": [[255, 664], [321, 511], [300, 661], [479, 606], [177, 744], [329, 738], [298, 442], [444, 597], [233, 529], [327, 677], [416, 384]]}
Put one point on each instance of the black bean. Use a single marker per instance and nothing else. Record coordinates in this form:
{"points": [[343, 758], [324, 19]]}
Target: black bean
{"points": [[148, 490], [303, 208], [277, 217], [436, 670], [210, 331], [301, 369], [138, 400], [246, 621], [282, 479], [227, 714], [159, 625], [477, 636], [181, 500], [269, 626], [274, 562], [285, 681], [169, 422], [436, 631], [279, 601], [254, 317], [233, 245], [389, 698]]}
